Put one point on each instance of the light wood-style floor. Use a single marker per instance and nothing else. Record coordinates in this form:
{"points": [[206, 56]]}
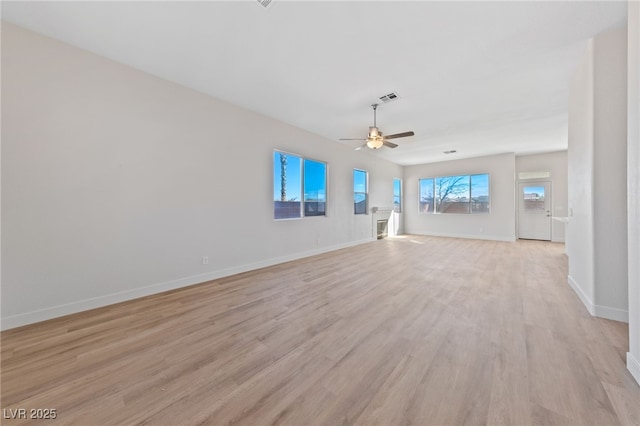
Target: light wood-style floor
{"points": [[413, 330]]}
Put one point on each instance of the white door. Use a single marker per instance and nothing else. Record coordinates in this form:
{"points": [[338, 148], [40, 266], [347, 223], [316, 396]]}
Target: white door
{"points": [[534, 210]]}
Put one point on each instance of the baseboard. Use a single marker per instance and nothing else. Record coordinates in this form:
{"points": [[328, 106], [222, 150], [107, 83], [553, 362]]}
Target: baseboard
{"points": [[612, 313], [109, 299], [633, 365], [599, 311], [582, 295], [467, 236]]}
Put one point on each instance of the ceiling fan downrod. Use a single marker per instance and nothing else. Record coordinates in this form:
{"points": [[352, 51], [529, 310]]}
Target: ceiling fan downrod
{"points": [[375, 107]]}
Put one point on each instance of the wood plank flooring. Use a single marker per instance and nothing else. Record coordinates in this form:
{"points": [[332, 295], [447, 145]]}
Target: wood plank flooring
{"points": [[412, 330]]}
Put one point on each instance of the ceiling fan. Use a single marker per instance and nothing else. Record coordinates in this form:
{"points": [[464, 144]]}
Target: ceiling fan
{"points": [[375, 139]]}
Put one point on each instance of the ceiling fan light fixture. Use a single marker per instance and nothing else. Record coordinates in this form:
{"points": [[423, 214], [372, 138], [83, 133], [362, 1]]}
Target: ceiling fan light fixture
{"points": [[374, 143]]}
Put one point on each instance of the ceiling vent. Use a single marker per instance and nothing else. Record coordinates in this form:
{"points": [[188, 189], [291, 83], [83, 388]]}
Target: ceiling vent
{"points": [[264, 3], [389, 97], [451, 151]]}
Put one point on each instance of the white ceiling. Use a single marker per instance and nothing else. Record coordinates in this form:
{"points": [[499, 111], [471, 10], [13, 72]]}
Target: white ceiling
{"points": [[478, 77]]}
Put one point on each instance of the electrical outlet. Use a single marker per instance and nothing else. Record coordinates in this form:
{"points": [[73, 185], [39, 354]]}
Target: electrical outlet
{"points": [[205, 260]]}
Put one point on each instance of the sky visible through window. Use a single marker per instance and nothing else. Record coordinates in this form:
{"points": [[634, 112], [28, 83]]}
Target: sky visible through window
{"points": [[314, 180], [359, 181], [360, 191], [534, 192], [479, 185], [397, 194]]}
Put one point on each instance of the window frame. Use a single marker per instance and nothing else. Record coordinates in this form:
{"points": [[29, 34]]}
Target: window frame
{"points": [[488, 211], [304, 183], [469, 193], [301, 195], [433, 195], [399, 209], [366, 193]]}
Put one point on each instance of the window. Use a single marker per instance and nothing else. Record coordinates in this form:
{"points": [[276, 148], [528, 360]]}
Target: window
{"points": [[287, 170], [299, 186], [315, 188], [360, 190], [533, 199], [534, 175], [452, 194], [480, 193], [397, 195], [455, 194], [426, 196]]}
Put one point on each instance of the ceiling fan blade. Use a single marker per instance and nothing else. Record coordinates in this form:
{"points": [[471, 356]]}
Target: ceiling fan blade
{"points": [[389, 144], [352, 139], [360, 147], [399, 135]]}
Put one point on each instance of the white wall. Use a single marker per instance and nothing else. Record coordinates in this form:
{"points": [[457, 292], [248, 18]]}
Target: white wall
{"points": [[497, 225], [633, 177], [579, 246], [597, 231], [115, 183], [556, 164], [610, 171]]}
